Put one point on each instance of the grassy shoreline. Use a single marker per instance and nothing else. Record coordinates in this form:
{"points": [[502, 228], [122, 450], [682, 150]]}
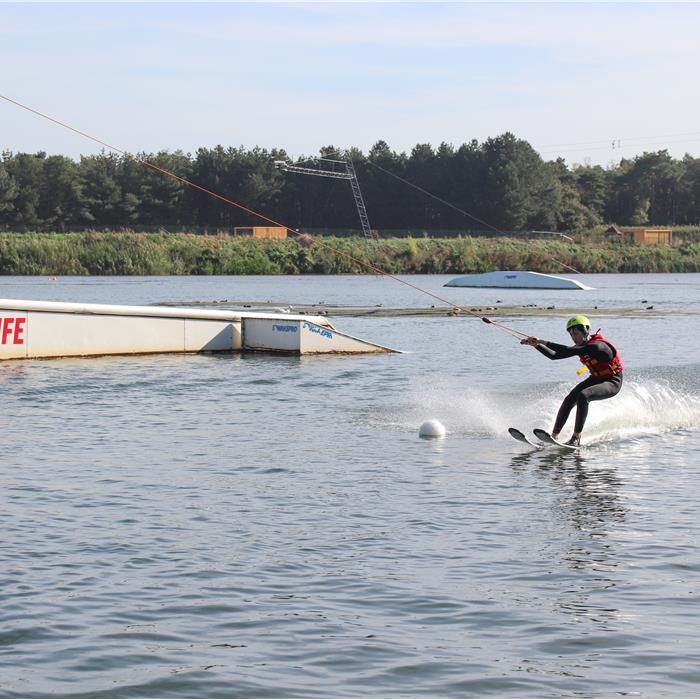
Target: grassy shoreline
{"points": [[189, 254]]}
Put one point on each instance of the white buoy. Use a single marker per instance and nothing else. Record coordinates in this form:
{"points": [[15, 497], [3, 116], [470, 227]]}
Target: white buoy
{"points": [[432, 429]]}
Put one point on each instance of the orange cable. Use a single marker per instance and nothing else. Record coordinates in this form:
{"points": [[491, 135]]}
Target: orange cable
{"points": [[231, 202]]}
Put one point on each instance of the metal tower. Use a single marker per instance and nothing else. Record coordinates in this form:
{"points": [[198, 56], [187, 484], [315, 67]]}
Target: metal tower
{"points": [[348, 174]]}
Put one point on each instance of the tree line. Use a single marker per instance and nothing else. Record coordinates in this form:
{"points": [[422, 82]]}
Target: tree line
{"points": [[500, 184]]}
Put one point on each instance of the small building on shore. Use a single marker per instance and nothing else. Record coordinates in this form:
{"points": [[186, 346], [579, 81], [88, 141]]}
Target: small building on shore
{"points": [[260, 231], [640, 235]]}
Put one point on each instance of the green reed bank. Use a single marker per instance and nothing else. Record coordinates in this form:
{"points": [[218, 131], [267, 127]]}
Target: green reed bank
{"points": [[188, 254]]}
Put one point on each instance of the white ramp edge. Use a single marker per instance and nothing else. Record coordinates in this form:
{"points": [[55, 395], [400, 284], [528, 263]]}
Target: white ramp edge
{"points": [[38, 329]]}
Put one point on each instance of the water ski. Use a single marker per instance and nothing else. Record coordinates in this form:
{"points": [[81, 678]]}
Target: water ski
{"points": [[521, 437], [549, 440]]}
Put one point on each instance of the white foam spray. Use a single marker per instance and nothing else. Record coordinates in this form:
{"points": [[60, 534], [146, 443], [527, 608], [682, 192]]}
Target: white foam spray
{"points": [[641, 408]]}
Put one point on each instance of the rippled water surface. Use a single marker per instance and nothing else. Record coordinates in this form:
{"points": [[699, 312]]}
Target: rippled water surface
{"points": [[262, 526]]}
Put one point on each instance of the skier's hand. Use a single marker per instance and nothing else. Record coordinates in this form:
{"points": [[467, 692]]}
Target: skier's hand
{"points": [[530, 340]]}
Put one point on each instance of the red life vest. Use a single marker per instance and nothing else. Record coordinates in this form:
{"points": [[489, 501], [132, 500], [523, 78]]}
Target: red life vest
{"points": [[599, 369]]}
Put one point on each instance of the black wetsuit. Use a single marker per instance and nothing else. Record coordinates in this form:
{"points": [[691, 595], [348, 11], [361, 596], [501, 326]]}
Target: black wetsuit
{"points": [[591, 389]]}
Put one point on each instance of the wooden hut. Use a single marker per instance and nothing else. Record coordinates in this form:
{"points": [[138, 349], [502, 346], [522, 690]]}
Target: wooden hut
{"points": [[260, 231], [640, 235]]}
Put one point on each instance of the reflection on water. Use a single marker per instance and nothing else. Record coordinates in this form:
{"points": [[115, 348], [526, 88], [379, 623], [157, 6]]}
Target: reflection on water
{"points": [[587, 500]]}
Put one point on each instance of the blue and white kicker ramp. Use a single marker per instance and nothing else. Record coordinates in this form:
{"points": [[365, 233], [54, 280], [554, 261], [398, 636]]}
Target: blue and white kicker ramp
{"points": [[39, 329]]}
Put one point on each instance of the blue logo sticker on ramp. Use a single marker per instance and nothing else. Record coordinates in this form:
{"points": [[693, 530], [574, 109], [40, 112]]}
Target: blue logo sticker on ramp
{"points": [[323, 332]]}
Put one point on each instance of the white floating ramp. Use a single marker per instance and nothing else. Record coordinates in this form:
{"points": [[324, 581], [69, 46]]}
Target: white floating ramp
{"points": [[503, 279], [36, 329]]}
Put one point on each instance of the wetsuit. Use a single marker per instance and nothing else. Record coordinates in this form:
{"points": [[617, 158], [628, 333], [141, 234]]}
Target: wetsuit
{"points": [[591, 389]]}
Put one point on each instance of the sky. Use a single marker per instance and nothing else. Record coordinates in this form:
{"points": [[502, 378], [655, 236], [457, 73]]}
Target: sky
{"points": [[588, 82]]}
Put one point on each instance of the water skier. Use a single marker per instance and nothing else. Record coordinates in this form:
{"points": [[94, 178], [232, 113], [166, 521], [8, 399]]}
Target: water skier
{"points": [[603, 362]]}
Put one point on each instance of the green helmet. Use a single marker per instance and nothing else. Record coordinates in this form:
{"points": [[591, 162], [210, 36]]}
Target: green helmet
{"points": [[577, 321]]}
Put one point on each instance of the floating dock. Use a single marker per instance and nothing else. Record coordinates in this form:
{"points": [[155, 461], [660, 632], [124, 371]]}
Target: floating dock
{"points": [[503, 279], [42, 329]]}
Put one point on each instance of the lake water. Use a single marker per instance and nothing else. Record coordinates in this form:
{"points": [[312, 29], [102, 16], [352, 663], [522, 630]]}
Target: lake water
{"points": [[263, 526]]}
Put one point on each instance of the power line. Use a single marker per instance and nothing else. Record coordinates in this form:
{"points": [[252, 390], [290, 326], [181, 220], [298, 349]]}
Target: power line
{"points": [[630, 138], [439, 199], [471, 216], [618, 144]]}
